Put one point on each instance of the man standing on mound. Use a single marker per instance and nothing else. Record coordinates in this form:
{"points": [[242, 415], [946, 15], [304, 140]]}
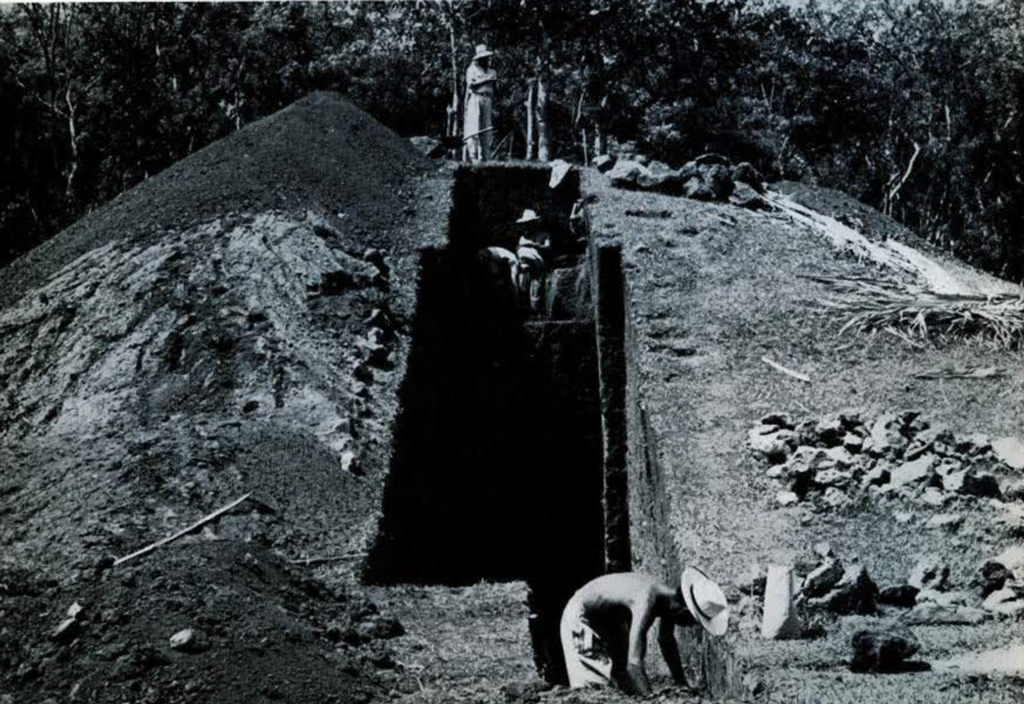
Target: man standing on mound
{"points": [[480, 80], [604, 626]]}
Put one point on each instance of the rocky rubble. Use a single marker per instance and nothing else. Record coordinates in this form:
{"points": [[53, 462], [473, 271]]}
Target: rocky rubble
{"points": [[838, 460], [709, 177]]}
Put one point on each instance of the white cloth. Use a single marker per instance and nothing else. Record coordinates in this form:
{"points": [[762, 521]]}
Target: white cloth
{"points": [[587, 659]]}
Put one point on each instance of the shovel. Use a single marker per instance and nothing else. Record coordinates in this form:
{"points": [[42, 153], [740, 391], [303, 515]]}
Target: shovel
{"points": [[453, 142]]}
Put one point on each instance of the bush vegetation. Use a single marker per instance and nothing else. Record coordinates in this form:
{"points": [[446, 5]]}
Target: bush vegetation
{"points": [[912, 106]]}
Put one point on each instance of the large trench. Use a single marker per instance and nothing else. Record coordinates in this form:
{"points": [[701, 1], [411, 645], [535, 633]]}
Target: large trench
{"points": [[521, 449]]}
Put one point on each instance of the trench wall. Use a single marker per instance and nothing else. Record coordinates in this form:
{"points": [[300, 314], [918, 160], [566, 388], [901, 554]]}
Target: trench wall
{"points": [[489, 198], [637, 505]]}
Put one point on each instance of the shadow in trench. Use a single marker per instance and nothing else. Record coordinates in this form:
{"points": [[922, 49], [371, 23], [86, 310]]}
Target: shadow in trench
{"points": [[496, 469]]}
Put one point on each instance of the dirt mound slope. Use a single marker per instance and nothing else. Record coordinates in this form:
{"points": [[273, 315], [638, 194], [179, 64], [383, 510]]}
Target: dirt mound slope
{"points": [[237, 324], [243, 607], [321, 151], [251, 345], [713, 291]]}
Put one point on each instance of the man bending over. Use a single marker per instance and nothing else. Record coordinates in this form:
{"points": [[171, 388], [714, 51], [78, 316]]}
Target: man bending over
{"points": [[604, 626]]}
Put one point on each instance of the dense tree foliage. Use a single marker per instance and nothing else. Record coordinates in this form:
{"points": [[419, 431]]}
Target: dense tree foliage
{"points": [[914, 107]]}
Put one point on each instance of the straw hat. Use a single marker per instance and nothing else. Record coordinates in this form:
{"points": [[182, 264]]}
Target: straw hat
{"points": [[705, 600], [482, 52], [527, 217]]}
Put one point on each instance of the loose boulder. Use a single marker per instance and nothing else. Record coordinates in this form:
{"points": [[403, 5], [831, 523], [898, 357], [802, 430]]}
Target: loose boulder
{"points": [[667, 182], [931, 614], [1009, 451], [745, 173], [981, 484], [901, 595], [626, 174], [855, 593], [718, 180], [882, 650], [603, 162], [991, 577], [821, 580], [1008, 601], [745, 196]]}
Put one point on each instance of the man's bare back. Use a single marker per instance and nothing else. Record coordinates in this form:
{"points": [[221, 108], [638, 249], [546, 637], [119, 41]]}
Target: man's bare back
{"points": [[620, 608]]}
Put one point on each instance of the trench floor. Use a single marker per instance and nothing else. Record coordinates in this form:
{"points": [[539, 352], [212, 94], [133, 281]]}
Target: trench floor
{"points": [[471, 640]]}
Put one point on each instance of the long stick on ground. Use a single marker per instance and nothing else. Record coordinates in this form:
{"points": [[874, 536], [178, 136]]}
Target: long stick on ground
{"points": [[330, 558], [786, 371], [183, 532]]}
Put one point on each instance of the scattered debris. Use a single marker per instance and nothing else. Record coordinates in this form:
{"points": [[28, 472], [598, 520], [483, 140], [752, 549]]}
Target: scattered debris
{"points": [[188, 641], [930, 613], [888, 304], [307, 561], [785, 370], [654, 214], [962, 372], [185, 531]]}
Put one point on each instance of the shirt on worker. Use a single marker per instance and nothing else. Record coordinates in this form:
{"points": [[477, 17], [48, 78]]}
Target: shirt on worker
{"points": [[475, 74]]}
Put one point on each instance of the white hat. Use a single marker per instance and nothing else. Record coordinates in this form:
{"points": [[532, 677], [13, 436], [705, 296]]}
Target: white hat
{"points": [[705, 600], [528, 216], [482, 52]]}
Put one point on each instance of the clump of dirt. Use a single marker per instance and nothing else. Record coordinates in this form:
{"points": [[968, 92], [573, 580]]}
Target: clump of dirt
{"points": [[206, 621], [321, 151]]}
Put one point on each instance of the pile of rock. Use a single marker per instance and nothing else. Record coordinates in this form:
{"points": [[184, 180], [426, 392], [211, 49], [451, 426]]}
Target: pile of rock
{"points": [[709, 177], [837, 588], [835, 459], [998, 590]]}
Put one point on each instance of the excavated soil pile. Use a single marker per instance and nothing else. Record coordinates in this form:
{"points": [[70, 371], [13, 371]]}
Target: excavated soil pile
{"points": [[344, 162], [213, 621], [236, 324]]}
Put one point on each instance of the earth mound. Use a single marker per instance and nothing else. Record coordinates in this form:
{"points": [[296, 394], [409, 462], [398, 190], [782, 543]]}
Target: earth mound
{"points": [[321, 152], [234, 325]]}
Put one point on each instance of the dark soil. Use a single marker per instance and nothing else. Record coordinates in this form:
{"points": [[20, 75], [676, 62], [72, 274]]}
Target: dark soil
{"points": [[321, 153], [262, 632], [236, 324]]}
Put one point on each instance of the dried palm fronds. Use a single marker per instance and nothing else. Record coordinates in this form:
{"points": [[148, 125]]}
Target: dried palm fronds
{"points": [[874, 304]]}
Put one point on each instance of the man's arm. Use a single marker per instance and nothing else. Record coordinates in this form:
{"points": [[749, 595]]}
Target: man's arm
{"points": [[643, 615], [670, 650]]}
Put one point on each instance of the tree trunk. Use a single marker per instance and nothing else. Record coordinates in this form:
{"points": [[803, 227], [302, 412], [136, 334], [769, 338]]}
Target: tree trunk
{"points": [[600, 139], [543, 143], [531, 95]]}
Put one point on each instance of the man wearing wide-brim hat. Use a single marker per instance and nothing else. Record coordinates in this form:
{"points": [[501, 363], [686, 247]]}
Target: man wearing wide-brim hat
{"points": [[480, 80], [534, 243], [604, 625]]}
